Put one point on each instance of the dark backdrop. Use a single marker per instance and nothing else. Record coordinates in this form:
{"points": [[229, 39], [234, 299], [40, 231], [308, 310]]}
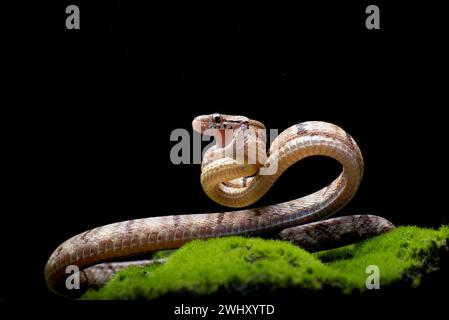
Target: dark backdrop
{"points": [[104, 100]]}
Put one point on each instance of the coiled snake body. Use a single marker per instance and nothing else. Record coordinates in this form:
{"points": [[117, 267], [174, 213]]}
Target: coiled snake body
{"points": [[236, 172]]}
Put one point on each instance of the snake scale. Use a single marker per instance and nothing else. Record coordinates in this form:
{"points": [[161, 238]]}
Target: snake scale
{"points": [[232, 174]]}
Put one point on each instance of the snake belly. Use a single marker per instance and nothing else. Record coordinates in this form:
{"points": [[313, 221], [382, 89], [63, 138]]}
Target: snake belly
{"points": [[234, 183]]}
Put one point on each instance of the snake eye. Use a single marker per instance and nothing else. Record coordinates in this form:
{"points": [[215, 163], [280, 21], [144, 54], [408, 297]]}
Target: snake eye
{"points": [[216, 118]]}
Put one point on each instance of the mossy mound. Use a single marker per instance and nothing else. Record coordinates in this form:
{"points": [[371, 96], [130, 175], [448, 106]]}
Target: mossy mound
{"points": [[237, 264]]}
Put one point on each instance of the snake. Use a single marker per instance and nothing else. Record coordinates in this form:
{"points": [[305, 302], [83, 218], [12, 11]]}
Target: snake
{"points": [[236, 172]]}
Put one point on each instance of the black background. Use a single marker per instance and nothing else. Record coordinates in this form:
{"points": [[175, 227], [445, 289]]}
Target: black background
{"points": [[95, 107]]}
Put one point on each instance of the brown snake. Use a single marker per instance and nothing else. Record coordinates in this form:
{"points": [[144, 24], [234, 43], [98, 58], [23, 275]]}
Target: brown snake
{"points": [[236, 172]]}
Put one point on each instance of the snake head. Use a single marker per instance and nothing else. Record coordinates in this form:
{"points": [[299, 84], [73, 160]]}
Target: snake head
{"points": [[207, 124]]}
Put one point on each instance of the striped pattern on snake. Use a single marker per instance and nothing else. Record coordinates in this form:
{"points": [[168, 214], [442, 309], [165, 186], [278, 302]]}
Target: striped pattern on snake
{"points": [[236, 172]]}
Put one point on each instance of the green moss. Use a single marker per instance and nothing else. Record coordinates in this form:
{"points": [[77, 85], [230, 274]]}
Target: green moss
{"points": [[237, 263], [163, 254]]}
